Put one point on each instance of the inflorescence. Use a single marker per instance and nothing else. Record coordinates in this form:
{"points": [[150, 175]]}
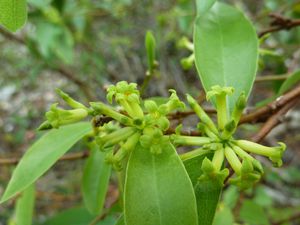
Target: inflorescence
{"points": [[144, 123]]}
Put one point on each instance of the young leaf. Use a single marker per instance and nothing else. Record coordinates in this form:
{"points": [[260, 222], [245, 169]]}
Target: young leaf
{"points": [[95, 181], [158, 190], [204, 5], [25, 206], [226, 50], [13, 14], [207, 192], [150, 48], [42, 155]]}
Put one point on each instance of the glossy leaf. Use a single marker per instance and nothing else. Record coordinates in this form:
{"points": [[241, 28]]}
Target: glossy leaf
{"points": [[42, 155], [204, 5], [95, 181], [226, 50], [13, 14], [158, 190], [207, 192], [25, 206]]}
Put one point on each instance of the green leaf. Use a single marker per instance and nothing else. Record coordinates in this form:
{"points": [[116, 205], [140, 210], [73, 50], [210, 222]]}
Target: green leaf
{"points": [[158, 190], [203, 6], [95, 180], [120, 220], [224, 217], [150, 48], [25, 206], [207, 192], [250, 208], [289, 82], [226, 50], [42, 155], [13, 14], [77, 216]]}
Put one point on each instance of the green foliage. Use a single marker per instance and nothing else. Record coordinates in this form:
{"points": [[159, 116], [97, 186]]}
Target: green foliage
{"points": [[253, 213], [13, 14], [207, 192], [42, 155], [158, 189], [96, 174], [291, 81], [226, 50], [25, 207], [204, 6], [77, 216], [120, 220], [150, 47], [162, 186]]}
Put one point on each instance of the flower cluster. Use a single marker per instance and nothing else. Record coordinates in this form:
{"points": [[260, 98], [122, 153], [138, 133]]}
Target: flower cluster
{"points": [[219, 141], [145, 122], [146, 129]]}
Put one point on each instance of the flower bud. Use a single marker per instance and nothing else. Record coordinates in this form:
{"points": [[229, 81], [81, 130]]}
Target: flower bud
{"points": [[58, 117], [201, 114], [274, 153], [70, 101]]}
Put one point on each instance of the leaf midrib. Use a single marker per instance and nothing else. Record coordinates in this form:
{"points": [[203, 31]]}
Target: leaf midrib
{"points": [[156, 189]]}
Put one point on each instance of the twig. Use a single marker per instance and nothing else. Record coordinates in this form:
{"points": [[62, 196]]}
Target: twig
{"points": [[289, 219], [273, 121], [278, 23], [67, 157], [272, 107], [271, 78], [12, 37]]}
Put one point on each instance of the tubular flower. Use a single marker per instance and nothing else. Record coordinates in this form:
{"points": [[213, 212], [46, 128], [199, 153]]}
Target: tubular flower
{"points": [[219, 140], [144, 129]]}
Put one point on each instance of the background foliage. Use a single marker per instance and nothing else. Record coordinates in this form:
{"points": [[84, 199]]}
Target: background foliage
{"points": [[82, 46]]}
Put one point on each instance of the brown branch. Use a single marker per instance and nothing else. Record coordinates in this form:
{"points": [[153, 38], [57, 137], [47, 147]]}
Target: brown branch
{"points": [[271, 78], [67, 157], [272, 107], [273, 121], [8, 35], [279, 23], [289, 219]]}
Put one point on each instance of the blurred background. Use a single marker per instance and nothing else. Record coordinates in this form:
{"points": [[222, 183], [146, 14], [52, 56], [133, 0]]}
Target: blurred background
{"points": [[81, 46]]}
